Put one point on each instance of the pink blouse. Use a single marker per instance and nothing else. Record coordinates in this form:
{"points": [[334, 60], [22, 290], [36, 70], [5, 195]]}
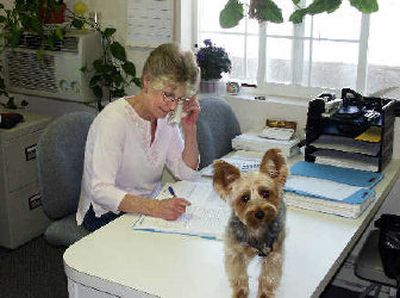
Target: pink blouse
{"points": [[120, 158]]}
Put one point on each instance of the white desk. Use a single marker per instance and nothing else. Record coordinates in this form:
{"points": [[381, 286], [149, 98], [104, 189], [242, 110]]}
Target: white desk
{"points": [[116, 261]]}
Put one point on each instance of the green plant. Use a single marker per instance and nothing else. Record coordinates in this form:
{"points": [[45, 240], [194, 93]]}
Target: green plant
{"points": [[112, 72], [268, 10], [213, 61], [27, 18]]}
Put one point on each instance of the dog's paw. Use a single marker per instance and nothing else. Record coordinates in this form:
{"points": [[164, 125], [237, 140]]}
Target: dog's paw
{"points": [[240, 293], [266, 295]]}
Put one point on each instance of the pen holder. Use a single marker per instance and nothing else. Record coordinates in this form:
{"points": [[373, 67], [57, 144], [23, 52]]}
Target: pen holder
{"points": [[232, 87]]}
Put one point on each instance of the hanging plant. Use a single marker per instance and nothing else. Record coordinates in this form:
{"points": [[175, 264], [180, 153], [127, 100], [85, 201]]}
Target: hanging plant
{"points": [[269, 11]]}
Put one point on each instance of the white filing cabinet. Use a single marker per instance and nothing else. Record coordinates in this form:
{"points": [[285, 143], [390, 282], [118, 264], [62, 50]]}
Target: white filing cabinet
{"points": [[21, 214]]}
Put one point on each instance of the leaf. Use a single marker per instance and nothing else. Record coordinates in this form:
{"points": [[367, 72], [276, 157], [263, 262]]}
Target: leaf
{"points": [[137, 82], [265, 10], [117, 79], [78, 24], [59, 33], [118, 51], [118, 92], [318, 6], [109, 31], [94, 81], [129, 68], [365, 6], [231, 14], [97, 65], [97, 91], [296, 2], [35, 25]]}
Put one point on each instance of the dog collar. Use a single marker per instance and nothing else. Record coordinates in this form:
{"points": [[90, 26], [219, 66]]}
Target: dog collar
{"points": [[265, 242], [263, 248]]}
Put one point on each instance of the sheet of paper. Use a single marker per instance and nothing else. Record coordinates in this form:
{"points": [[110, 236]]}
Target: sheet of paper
{"points": [[206, 217], [245, 164]]}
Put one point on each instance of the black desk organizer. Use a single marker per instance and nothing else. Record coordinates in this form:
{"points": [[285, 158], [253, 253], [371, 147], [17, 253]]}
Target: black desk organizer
{"points": [[352, 115]]}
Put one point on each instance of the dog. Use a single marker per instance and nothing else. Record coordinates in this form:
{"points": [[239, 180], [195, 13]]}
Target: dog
{"points": [[257, 223]]}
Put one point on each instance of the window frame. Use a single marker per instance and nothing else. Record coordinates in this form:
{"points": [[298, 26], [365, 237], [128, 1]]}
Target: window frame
{"points": [[294, 88]]}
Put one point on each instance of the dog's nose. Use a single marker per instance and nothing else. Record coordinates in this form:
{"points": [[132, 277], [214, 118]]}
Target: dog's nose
{"points": [[259, 214]]}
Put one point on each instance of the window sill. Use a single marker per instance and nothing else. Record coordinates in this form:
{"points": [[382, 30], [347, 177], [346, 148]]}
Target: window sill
{"points": [[284, 100]]}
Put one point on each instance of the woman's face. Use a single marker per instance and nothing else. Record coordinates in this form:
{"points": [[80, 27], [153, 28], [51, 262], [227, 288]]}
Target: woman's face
{"points": [[165, 100]]}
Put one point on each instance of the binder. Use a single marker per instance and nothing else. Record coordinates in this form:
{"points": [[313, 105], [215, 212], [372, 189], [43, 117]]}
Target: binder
{"points": [[330, 189]]}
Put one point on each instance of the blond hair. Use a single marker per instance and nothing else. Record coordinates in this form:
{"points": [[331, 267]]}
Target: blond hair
{"points": [[169, 65]]}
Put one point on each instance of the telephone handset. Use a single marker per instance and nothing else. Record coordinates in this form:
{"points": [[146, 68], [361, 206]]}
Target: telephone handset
{"points": [[175, 116]]}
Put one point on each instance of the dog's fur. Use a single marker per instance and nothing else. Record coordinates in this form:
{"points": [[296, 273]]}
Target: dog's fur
{"points": [[257, 224]]}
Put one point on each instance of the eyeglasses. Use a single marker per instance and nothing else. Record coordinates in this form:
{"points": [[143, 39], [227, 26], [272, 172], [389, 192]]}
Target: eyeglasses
{"points": [[170, 97]]}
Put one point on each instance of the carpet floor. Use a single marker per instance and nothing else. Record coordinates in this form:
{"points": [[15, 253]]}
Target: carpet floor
{"points": [[34, 270]]}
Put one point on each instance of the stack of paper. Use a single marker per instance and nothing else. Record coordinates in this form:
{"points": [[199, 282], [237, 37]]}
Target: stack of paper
{"points": [[245, 164], [329, 189], [345, 144], [206, 217], [251, 141], [327, 196], [348, 160]]}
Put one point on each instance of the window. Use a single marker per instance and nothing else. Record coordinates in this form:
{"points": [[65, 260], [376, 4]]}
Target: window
{"points": [[341, 49]]}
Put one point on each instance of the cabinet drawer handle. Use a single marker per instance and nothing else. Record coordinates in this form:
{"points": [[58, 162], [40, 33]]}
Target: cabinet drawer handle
{"points": [[30, 152]]}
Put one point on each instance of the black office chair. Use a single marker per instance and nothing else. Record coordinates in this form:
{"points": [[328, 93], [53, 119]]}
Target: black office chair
{"points": [[376, 250], [60, 154], [216, 127]]}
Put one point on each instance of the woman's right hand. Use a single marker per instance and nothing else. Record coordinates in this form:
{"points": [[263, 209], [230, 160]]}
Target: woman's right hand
{"points": [[170, 209]]}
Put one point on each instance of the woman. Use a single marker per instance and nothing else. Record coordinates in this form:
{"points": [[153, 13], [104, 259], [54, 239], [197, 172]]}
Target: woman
{"points": [[130, 142]]}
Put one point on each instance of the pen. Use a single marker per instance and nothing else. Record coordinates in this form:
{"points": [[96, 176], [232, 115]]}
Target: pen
{"points": [[171, 191]]}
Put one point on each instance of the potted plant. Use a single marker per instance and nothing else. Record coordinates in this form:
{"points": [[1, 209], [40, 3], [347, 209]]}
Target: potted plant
{"points": [[27, 24], [213, 61], [113, 71]]}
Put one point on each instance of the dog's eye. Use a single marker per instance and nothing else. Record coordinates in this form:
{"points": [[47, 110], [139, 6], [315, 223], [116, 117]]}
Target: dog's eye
{"points": [[264, 193], [245, 198]]}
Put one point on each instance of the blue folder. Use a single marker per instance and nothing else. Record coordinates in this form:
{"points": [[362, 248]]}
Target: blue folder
{"points": [[357, 197], [341, 175]]}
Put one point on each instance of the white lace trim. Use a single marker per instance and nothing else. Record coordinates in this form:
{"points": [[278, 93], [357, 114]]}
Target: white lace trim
{"points": [[143, 126]]}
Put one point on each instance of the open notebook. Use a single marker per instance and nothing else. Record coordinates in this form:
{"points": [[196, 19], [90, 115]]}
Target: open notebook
{"points": [[206, 217]]}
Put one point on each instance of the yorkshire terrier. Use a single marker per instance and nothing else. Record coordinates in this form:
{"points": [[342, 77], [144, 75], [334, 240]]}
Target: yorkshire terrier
{"points": [[257, 223]]}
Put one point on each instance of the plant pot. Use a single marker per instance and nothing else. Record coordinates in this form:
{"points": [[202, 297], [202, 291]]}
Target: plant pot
{"points": [[210, 86], [56, 16]]}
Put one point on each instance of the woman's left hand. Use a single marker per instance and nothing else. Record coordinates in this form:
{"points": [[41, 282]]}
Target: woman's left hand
{"points": [[192, 110]]}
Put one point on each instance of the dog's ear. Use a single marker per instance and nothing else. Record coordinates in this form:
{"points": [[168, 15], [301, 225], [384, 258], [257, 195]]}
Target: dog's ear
{"points": [[224, 175], [274, 164]]}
